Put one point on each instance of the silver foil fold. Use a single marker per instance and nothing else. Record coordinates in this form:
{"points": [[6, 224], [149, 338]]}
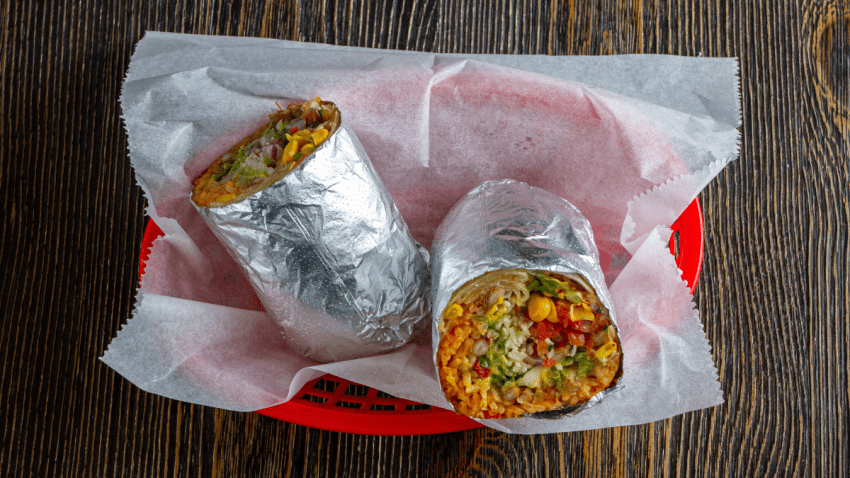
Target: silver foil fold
{"points": [[329, 255], [508, 224]]}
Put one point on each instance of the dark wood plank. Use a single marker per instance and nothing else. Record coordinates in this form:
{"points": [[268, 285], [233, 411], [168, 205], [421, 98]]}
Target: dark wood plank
{"points": [[772, 295]]}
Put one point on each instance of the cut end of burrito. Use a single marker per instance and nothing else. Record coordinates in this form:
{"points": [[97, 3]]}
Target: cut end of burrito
{"points": [[516, 342], [266, 156]]}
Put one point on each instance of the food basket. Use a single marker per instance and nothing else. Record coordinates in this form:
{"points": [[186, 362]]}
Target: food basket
{"points": [[335, 404]]}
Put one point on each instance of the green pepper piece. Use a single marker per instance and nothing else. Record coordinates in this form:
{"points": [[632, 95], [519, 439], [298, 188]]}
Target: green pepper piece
{"points": [[584, 366]]}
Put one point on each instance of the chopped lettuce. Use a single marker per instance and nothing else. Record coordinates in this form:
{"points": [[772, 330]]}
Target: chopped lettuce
{"points": [[584, 366], [248, 173], [554, 288], [500, 373], [579, 363], [221, 172]]}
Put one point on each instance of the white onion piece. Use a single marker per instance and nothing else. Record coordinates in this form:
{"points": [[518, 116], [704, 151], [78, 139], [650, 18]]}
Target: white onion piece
{"points": [[531, 377], [480, 348]]}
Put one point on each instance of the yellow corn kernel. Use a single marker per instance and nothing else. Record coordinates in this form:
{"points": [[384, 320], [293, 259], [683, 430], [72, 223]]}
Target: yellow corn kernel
{"points": [[319, 135], [290, 149], [581, 312], [498, 309], [606, 350], [303, 136], [454, 311], [539, 307], [226, 197], [553, 314]]}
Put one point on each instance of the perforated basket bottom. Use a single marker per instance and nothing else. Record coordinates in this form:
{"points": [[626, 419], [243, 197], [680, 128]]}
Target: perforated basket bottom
{"points": [[336, 392], [335, 404]]}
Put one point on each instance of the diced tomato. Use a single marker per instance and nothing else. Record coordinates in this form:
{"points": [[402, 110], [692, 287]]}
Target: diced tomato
{"points": [[601, 322], [481, 371], [545, 330], [549, 362], [576, 339], [558, 339], [293, 130]]}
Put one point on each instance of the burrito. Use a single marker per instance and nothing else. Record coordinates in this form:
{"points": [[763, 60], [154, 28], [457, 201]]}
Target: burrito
{"points": [[523, 322], [300, 208], [516, 341], [264, 157]]}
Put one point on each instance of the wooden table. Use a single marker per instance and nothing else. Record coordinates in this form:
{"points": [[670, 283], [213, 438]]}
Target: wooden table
{"points": [[772, 295]]}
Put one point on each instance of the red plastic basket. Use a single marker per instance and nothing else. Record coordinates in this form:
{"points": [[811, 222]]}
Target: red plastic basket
{"points": [[335, 404]]}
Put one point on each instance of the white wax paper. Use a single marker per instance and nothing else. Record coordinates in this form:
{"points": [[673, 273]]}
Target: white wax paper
{"points": [[630, 146]]}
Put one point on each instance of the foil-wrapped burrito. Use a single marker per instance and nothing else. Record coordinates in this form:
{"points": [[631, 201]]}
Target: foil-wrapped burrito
{"points": [[299, 206], [523, 321]]}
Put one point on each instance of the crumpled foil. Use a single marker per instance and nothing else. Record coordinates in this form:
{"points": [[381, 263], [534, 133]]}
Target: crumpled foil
{"points": [[329, 255], [508, 224]]}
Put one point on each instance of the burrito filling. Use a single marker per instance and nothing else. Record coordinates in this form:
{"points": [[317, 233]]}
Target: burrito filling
{"points": [[267, 155], [515, 342]]}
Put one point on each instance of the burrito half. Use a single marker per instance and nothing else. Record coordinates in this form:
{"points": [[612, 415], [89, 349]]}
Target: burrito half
{"points": [[300, 208]]}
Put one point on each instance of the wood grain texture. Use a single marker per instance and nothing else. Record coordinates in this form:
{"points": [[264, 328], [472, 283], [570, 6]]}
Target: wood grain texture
{"points": [[772, 295]]}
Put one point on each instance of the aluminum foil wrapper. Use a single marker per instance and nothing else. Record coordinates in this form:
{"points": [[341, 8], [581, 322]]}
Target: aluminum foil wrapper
{"points": [[508, 224], [329, 255]]}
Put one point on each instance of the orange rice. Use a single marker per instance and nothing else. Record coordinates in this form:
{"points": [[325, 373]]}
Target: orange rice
{"points": [[499, 356]]}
